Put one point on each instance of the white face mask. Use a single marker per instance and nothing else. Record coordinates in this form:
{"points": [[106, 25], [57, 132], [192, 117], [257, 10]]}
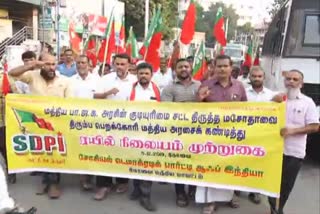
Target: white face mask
{"points": [[293, 93]]}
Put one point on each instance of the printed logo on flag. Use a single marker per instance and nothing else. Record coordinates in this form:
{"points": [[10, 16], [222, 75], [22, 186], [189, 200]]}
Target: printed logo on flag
{"points": [[25, 143]]}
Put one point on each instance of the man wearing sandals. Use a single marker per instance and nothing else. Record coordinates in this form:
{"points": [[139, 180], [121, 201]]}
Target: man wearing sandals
{"points": [[114, 86], [183, 89], [84, 86], [144, 90], [302, 119], [42, 80], [223, 88]]}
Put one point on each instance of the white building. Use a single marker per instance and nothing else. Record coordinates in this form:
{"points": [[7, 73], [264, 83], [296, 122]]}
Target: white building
{"points": [[252, 11]]}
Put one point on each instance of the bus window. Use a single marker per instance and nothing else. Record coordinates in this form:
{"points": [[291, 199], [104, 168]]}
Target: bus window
{"points": [[312, 31]]}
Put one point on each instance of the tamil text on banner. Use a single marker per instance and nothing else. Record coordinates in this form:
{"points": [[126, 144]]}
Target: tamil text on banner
{"points": [[223, 145]]}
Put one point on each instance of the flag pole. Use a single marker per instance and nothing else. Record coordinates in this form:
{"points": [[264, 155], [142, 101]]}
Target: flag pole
{"points": [[146, 18], [107, 42]]}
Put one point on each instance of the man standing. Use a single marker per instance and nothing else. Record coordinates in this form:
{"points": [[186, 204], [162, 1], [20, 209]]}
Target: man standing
{"points": [[7, 204], [258, 93], [27, 57], [244, 78], [144, 90], [3, 151], [164, 77], [84, 86], [114, 86], [68, 68], [302, 119], [223, 88], [42, 80], [183, 89]]}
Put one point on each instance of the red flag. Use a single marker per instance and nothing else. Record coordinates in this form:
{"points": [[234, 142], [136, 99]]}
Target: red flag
{"points": [[248, 57], [5, 80], [111, 46], [256, 61], [200, 64], [102, 50], [218, 30], [153, 55], [188, 25], [74, 38]]}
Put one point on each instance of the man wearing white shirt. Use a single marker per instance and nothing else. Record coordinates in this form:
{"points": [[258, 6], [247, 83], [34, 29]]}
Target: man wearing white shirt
{"points": [[114, 86], [163, 77], [244, 78], [84, 85], [84, 82], [144, 90], [258, 93], [117, 85]]}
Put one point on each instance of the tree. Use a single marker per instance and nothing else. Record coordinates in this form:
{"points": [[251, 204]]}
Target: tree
{"points": [[135, 11], [276, 5], [245, 29], [206, 20]]}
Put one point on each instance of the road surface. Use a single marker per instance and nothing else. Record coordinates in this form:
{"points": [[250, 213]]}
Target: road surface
{"points": [[304, 198]]}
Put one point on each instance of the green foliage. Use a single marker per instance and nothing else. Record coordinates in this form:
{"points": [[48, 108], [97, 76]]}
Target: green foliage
{"points": [[245, 29], [275, 7], [135, 11], [206, 20]]}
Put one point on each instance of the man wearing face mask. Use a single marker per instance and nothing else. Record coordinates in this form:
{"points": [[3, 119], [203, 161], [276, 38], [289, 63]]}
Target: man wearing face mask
{"points": [[42, 80], [114, 86], [302, 119], [183, 89]]}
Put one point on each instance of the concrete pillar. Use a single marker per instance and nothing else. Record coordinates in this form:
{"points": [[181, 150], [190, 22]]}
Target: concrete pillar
{"points": [[35, 24]]}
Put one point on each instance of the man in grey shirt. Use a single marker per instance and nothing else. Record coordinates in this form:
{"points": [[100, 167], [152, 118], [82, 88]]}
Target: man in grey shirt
{"points": [[182, 89]]}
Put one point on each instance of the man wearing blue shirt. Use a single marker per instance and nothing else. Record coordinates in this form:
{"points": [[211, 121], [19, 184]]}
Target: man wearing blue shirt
{"points": [[68, 68]]}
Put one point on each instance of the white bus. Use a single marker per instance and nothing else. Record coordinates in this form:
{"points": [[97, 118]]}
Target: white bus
{"points": [[293, 42], [236, 52]]}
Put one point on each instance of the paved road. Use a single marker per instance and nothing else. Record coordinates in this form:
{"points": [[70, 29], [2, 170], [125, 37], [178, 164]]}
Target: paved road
{"points": [[305, 198]]}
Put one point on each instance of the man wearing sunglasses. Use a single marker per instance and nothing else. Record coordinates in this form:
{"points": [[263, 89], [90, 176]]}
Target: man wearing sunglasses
{"points": [[302, 119]]}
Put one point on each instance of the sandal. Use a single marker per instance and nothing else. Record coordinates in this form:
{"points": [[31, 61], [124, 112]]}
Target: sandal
{"points": [[182, 200], [209, 209], [254, 198], [233, 204], [16, 210]]}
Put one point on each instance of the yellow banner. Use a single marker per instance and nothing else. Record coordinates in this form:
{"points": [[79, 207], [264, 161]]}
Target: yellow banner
{"points": [[224, 145]]}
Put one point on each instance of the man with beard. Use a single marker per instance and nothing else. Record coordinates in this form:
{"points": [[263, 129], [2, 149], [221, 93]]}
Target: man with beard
{"points": [[223, 88], [42, 80], [144, 90], [302, 119], [114, 86], [258, 93], [183, 89]]}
